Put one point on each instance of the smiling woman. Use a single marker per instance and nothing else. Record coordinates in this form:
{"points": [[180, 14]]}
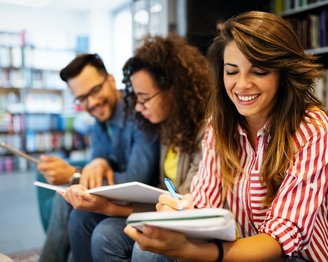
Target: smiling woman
{"points": [[251, 89]]}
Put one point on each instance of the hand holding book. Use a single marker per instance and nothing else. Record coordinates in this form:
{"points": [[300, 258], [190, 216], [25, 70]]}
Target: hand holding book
{"points": [[204, 223]]}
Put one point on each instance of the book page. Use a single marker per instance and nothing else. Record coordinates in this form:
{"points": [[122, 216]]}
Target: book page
{"points": [[131, 192]]}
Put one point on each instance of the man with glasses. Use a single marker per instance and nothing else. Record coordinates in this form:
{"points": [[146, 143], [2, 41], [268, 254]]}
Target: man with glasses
{"points": [[121, 152]]}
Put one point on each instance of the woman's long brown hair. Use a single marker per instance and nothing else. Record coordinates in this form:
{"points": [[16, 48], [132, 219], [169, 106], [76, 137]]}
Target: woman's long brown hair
{"points": [[269, 42]]}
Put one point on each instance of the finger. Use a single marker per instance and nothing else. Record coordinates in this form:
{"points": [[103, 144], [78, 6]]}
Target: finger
{"points": [[92, 181], [133, 233], [66, 195], [110, 177], [161, 208], [98, 180], [74, 196], [187, 201], [84, 180], [61, 192], [170, 202], [44, 158], [85, 196]]}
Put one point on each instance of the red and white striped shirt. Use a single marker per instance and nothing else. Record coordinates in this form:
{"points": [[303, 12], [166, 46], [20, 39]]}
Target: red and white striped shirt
{"points": [[298, 216]]}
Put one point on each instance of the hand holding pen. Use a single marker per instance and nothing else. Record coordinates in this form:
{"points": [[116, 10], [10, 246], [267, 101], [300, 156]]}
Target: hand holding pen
{"points": [[171, 188], [179, 202]]}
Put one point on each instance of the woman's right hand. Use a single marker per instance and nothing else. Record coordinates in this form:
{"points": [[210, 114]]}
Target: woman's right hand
{"points": [[168, 203]]}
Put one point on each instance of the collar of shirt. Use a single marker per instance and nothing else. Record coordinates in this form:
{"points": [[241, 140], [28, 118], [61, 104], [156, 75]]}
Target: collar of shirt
{"points": [[263, 131], [117, 120]]}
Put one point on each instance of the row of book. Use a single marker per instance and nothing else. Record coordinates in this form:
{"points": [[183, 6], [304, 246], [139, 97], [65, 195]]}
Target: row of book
{"points": [[312, 29], [29, 57], [280, 6], [12, 38], [54, 141], [12, 163], [34, 142], [32, 78], [11, 56], [32, 101], [321, 88], [19, 123]]}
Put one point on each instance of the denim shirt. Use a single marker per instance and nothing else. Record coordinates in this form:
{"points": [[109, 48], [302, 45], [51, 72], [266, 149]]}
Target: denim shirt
{"points": [[133, 155]]}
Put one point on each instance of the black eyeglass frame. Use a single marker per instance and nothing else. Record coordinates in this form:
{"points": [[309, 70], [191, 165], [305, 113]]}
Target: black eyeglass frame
{"points": [[144, 101], [82, 99]]}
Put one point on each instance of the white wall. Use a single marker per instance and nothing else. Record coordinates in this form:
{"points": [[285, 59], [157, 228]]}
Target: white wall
{"points": [[54, 28], [42, 21], [122, 48]]}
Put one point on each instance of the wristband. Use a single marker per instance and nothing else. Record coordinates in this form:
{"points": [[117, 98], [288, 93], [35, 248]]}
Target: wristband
{"points": [[75, 178], [219, 244]]}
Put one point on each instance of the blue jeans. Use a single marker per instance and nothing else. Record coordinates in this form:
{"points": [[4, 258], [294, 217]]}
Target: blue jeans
{"points": [[80, 226], [110, 243], [96, 237], [139, 255], [56, 247]]}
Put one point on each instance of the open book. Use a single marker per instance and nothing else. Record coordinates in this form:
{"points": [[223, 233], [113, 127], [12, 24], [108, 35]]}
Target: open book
{"points": [[204, 223], [131, 192]]}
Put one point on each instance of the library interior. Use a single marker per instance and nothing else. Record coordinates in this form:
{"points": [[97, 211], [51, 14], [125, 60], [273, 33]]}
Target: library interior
{"points": [[37, 114]]}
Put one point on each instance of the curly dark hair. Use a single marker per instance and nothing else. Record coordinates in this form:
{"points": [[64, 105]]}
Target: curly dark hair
{"points": [[180, 67]]}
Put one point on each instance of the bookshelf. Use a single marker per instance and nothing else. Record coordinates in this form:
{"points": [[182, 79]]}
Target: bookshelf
{"points": [[151, 17], [36, 110], [309, 18]]}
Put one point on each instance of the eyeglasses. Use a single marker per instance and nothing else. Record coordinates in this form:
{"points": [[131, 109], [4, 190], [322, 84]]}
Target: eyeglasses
{"points": [[82, 100], [144, 101]]}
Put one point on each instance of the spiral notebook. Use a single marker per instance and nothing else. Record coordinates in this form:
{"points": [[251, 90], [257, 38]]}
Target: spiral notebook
{"points": [[204, 223]]}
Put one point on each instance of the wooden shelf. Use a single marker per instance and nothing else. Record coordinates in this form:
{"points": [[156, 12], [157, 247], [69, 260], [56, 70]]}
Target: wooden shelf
{"points": [[317, 51], [303, 9]]}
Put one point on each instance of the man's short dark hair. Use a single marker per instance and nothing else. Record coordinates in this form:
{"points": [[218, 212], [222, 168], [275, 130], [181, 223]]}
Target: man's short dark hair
{"points": [[75, 67]]}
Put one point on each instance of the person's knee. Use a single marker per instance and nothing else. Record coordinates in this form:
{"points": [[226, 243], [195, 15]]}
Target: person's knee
{"points": [[100, 243], [60, 209], [83, 223], [108, 240], [101, 235], [77, 220]]}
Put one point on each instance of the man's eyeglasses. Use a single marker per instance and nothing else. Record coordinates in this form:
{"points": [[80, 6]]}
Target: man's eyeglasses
{"points": [[82, 100], [144, 101]]}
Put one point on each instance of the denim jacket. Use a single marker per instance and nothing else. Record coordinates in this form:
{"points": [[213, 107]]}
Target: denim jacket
{"points": [[133, 155]]}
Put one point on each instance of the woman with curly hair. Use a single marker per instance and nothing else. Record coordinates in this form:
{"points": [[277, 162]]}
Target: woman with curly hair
{"points": [[167, 85], [265, 152]]}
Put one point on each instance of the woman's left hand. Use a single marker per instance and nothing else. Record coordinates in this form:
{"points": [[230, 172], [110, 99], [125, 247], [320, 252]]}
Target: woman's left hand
{"points": [[158, 240]]}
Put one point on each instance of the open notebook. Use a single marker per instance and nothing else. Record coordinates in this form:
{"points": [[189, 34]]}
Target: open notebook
{"points": [[131, 192], [204, 223]]}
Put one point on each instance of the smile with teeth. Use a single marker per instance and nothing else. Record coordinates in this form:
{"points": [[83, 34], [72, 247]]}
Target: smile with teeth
{"points": [[247, 98]]}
